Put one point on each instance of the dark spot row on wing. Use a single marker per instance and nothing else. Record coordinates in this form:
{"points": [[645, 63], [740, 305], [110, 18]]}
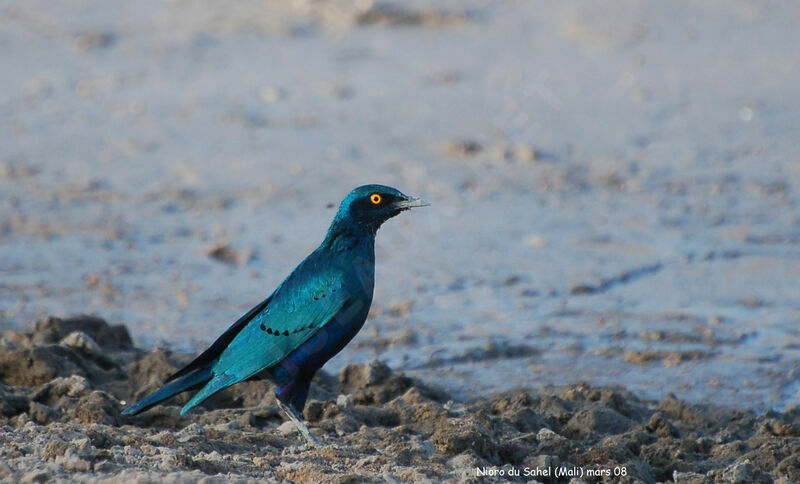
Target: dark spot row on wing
{"points": [[285, 331]]}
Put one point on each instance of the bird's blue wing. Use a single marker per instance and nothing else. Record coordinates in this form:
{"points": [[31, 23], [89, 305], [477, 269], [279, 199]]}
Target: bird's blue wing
{"points": [[299, 308], [216, 349]]}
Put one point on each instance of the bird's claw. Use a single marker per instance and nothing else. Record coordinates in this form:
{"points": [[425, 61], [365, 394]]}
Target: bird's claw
{"points": [[311, 439]]}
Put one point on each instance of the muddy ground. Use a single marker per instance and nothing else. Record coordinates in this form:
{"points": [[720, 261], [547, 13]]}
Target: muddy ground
{"points": [[65, 382], [614, 186], [615, 200]]}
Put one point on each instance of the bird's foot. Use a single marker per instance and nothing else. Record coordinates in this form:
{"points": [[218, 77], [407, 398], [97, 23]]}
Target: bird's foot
{"points": [[312, 440]]}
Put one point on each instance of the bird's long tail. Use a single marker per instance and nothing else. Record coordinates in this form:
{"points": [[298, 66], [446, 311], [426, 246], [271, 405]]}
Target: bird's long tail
{"points": [[219, 382], [193, 380]]}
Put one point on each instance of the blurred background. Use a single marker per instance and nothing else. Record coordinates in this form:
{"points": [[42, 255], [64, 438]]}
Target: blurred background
{"points": [[614, 186]]}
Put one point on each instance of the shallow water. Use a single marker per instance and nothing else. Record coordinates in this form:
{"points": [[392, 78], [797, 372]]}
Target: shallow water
{"points": [[614, 191]]}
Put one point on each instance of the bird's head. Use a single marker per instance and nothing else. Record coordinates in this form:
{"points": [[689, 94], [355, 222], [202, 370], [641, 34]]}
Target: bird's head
{"points": [[371, 205]]}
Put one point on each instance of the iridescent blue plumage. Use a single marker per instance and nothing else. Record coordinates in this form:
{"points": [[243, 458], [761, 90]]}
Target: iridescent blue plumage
{"points": [[309, 318]]}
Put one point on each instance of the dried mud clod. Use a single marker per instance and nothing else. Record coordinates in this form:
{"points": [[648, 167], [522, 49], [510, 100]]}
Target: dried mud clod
{"points": [[62, 387]]}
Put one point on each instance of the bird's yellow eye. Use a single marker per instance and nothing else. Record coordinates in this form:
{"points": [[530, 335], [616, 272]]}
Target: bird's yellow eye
{"points": [[375, 199]]}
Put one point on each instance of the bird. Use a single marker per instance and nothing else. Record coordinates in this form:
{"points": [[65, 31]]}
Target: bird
{"points": [[307, 320]]}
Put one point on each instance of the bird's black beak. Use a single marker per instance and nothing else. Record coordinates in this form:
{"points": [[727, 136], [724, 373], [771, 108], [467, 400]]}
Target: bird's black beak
{"points": [[410, 202]]}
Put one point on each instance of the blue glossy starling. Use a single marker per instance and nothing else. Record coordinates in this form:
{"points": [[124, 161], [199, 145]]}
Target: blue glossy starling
{"points": [[307, 320]]}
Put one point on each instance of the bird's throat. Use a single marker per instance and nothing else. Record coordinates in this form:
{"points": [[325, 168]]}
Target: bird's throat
{"points": [[344, 235]]}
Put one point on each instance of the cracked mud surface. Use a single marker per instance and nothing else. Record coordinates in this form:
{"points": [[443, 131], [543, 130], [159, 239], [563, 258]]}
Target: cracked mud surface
{"points": [[64, 384]]}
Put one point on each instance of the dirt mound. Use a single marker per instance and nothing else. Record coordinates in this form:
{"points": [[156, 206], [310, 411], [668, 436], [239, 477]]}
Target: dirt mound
{"points": [[64, 384]]}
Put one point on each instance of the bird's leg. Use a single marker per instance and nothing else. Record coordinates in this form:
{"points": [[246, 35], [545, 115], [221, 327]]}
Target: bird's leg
{"points": [[301, 426]]}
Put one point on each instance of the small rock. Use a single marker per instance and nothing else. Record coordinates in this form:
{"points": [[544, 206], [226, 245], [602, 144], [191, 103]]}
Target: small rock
{"points": [[5, 471], [192, 430], [38, 365], [223, 253], [463, 147], [73, 386], [148, 374], [344, 401], [228, 425], [53, 448], [228, 255], [598, 419], [286, 429], [739, 472], [35, 476], [132, 451], [15, 339], [460, 435], [95, 40], [73, 463], [167, 438], [545, 461], [546, 434], [780, 429], [92, 280], [107, 467], [271, 94], [80, 443], [359, 375], [526, 154], [82, 342], [314, 410], [660, 426], [12, 404], [96, 407], [688, 478], [385, 13], [214, 456], [366, 461], [52, 330], [42, 414], [148, 449], [464, 461]]}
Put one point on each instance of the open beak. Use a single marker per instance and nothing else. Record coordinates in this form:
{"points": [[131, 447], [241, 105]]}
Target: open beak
{"points": [[410, 202]]}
